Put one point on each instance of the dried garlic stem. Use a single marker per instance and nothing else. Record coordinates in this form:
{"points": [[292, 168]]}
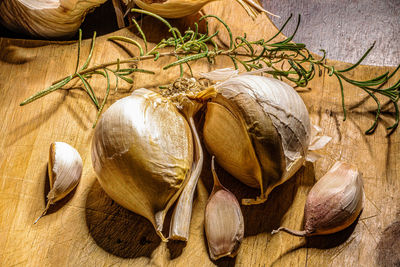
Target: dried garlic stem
{"points": [[180, 223], [292, 232], [44, 211]]}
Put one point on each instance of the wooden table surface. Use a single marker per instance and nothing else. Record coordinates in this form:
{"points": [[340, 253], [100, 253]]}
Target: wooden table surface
{"points": [[89, 229]]}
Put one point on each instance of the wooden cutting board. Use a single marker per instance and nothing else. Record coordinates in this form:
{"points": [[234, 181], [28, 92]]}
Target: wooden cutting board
{"points": [[89, 229]]}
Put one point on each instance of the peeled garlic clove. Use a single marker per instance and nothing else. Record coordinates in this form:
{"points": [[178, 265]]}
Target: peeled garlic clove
{"points": [[142, 152], [223, 221], [258, 128], [333, 203], [65, 170], [48, 19]]}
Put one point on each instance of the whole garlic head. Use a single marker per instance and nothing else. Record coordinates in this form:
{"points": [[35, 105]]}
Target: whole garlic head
{"points": [[45, 18], [258, 128], [142, 151]]}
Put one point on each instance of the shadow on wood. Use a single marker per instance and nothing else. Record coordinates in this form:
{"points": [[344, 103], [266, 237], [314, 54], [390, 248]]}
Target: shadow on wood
{"points": [[59, 204], [388, 248], [323, 241], [116, 229], [267, 216]]}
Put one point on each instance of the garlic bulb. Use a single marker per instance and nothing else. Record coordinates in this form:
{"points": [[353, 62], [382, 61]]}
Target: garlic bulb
{"points": [[223, 221], [65, 170], [142, 153], [258, 128], [45, 18], [182, 8], [333, 203]]}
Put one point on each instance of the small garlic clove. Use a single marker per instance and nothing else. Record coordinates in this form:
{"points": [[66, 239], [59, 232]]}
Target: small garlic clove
{"points": [[223, 222], [65, 170], [333, 203]]}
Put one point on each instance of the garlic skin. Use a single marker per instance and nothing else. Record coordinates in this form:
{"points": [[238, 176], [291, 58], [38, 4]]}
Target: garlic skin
{"points": [[46, 19], [258, 128], [181, 8], [333, 203], [65, 170], [223, 221], [172, 8], [142, 152]]}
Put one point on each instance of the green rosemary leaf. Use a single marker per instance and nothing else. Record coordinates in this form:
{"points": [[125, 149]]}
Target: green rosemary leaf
{"points": [[359, 61], [280, 30], [128, 71], [126, 79], [390, 76], [396, 123], [372, 129], [185, 59], [141, 33], [373, 82], [257, 57], [46, 91], [342, 94], [89, 90], [225, 25], [159, 18], [79, 49], [234, 62], [104, 100], [90, 53], [249, 46], [128, 40]]}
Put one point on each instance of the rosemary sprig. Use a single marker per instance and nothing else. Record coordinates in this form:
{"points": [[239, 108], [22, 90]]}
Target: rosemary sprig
{"points": [[283, 60]]}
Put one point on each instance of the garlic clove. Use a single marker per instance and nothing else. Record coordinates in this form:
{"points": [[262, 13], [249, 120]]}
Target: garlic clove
{"points": [[47, 19], [142, 152], [275, 120], [182, 8], [231, 144], [333, 203], [65, 170], [223, 221]]}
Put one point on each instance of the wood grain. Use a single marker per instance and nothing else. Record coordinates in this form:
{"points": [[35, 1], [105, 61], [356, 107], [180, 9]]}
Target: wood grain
{"points": [[89, 229]]}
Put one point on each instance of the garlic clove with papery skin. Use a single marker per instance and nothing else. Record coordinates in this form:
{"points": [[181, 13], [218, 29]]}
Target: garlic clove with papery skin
{"points": [[223, 221], [333, 203], [142, 152], [182, 8], [65, 170], [47, 19], [258, 128]]}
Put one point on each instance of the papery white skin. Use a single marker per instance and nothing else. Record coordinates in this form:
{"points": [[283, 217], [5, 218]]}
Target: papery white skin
{"points": [[333, 203], [45, 18], [284, 106], [142, 152], [65, 171], [223, 221], [259, 130]]}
